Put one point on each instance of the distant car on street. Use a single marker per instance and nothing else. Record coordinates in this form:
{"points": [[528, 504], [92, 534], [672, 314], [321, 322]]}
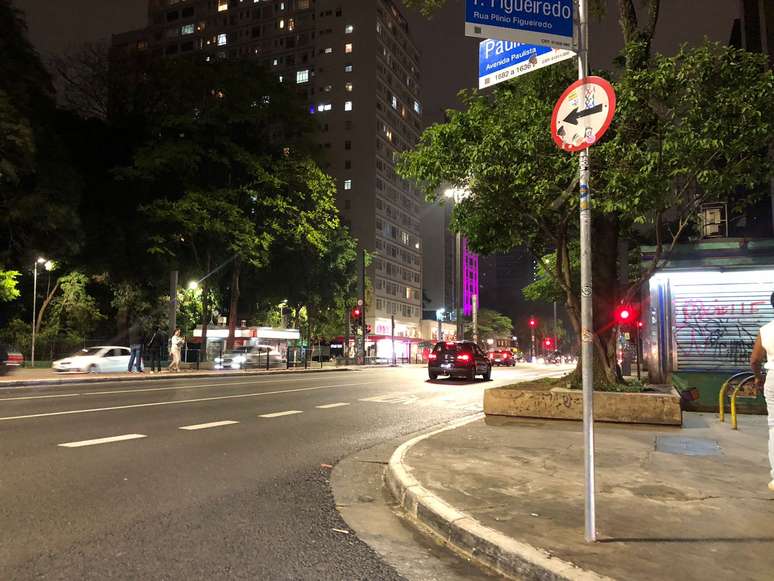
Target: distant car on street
{"points": [[101, 359], [10, 359], [502, 357], [250, 357], [462, 359]]}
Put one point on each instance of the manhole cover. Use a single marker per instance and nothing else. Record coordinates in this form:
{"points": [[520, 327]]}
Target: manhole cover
{"points": [[687, 446]]}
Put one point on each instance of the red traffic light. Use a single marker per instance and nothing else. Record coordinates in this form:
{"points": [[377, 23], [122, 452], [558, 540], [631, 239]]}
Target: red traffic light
{"points": [[624, 314], [356, 312], [532, 322], [548, 342]]}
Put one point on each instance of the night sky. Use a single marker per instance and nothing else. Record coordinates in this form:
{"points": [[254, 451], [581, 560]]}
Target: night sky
{"points": [[449, 59]]}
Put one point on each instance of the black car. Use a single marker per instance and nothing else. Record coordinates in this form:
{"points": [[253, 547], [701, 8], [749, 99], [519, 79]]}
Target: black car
{"points": [[458, 359]]}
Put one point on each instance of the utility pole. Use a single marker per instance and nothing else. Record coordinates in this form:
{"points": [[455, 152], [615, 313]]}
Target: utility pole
{"points": [[587, 316], [392, 337], [474, 303], [556, 335], [346, 335], [362, 288]]}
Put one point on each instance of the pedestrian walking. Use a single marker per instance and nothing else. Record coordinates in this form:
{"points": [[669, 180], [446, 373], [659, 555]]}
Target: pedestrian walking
{"points": [[136, 343], [764, 348], [153, 349], [175, 345]]}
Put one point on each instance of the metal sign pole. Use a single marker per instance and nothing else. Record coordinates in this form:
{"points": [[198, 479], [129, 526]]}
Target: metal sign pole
{"points": [[587, 319]]}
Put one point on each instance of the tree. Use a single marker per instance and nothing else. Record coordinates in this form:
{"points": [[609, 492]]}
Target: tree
{"points": [[523, 187], [83, 77], [8, 288], [491, 325]]}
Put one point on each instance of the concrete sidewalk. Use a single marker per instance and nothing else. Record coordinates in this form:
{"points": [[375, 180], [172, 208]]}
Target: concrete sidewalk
{"points": [[685, 503]]}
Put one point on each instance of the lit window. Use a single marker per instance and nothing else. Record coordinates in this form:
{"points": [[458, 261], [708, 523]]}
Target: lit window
{"points": [[222, 5], [394, 102], [348, 87], [328, 50], [417, 107], [282, 23], [222, 39], [302, 4], [324, 107], [274, 62], [348, 105], [349, 29], [348, 48], [347, 68], [187, 29], [291, 23], [347, 184], [302, 76]]}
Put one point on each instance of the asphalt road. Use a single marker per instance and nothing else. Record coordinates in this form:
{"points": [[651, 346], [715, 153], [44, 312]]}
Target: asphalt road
{"points": [[203, 478]]}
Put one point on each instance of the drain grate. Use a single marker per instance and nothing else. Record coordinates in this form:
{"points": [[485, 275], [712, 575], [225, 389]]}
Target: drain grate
{"points": [[687, 446]]}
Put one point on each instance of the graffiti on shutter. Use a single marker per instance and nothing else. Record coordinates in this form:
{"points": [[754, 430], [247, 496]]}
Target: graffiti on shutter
{"points": [[716, 324]]}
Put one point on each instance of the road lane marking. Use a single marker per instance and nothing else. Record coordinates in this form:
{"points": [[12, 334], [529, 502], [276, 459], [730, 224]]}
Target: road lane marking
{"points": [[280, 414], [102, 441], [209, 425], [183, 401], [331, 405], [40, 396]]}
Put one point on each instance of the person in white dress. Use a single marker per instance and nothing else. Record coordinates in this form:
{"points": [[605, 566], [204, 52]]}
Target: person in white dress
{"points": [[175, 346], [763, 350]]}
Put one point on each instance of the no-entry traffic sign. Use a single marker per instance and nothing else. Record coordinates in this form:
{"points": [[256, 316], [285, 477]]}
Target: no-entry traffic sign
{"points": [[583, 113]]}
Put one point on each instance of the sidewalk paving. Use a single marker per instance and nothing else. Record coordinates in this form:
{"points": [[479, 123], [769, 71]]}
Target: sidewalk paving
{"points": [[511, 492]]}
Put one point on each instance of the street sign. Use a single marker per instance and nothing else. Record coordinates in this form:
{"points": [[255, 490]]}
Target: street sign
{"points": [[540, 22], [583, 113], [501, 60]]}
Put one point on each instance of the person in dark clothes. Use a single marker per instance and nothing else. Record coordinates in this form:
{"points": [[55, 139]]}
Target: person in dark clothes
{"points": [[153, 346], [136, 342]]}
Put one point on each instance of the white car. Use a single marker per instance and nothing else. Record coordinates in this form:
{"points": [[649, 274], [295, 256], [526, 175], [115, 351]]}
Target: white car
{"points": [[252, 356], [95, 360]]}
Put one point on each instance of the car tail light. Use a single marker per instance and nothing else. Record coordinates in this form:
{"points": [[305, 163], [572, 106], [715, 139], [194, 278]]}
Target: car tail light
{"points": [[463, 357], [432, 356]]}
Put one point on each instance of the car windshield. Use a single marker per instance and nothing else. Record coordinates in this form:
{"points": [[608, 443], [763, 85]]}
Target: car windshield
{"points": [[90, 351]]}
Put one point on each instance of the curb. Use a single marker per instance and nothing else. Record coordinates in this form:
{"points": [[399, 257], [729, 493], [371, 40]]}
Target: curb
{"points": [[493, 549], [158, 377]]}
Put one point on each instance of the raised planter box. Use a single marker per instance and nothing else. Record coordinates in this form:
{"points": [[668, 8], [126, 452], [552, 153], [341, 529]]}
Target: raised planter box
{"points": [[661, 407]]}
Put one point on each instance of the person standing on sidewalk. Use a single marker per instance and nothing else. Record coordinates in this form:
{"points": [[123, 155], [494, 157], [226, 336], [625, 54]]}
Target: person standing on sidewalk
{"points": [[136, 342], [764, 348], [175, 345], [157, 340]]}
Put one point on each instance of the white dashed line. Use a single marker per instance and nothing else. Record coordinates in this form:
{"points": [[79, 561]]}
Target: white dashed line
{"points": [[331, 405], [280, 414], [182, 401], [209, 425], [102, 440], [40, 396]]}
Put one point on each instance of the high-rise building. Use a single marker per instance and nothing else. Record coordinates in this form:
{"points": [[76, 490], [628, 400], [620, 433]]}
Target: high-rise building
{"points": [[358, 69]]}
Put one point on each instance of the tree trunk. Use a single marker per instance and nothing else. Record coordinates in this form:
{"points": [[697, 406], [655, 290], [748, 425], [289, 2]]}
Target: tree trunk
{"points": [[234, 305], [44, 306]]}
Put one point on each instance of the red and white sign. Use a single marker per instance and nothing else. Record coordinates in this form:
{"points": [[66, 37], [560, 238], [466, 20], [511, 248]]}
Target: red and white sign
{"points": [[583, 113]]}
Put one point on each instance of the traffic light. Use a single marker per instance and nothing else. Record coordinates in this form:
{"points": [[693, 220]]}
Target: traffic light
{"points": [[356, 312], [548, 342], [532, 322], [625, 314]]}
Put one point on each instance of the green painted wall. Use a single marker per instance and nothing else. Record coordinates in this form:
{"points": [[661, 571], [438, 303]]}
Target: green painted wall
{"points": [[709, 385]]}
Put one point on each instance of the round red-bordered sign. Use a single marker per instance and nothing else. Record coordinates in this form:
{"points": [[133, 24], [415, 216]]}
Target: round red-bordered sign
{"points": [[583, 113]]}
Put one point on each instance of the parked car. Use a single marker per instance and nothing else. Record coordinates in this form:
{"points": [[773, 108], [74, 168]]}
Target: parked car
{"points": [[250, 357], [502, 357], [105, 358], [10, 359], [458, 359]]}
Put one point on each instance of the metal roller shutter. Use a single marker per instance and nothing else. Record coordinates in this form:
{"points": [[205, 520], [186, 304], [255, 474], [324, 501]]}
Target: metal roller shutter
{"points": [[716, 323]]}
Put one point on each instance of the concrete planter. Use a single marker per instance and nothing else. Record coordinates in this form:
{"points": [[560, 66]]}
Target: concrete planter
{"points": [[563, 404]]}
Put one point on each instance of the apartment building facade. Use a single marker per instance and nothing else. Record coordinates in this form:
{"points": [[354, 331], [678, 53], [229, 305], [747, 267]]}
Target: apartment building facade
{"points": [[358, 68]]}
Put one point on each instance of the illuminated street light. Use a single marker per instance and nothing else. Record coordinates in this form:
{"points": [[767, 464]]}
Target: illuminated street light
{"points": [[193, 285], [45, 262]]}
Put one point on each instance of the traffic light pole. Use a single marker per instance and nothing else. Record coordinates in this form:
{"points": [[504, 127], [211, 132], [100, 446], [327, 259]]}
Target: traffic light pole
{"points": [[587, 316]]}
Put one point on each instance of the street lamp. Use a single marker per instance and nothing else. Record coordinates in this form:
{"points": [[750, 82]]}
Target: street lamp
{"points": [[48, 265], [439, 317], [193, 285], [457, 195]]}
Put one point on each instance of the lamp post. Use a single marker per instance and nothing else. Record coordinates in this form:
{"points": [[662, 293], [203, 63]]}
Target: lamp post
{"points": [[439, 317], [457, 196], [35, 303]]}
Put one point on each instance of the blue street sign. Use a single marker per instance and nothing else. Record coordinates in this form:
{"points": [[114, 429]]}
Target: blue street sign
{"points": [[501, 60], [538, 22]]}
